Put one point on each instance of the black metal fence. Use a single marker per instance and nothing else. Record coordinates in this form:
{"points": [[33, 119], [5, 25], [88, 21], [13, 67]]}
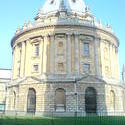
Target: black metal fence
{"points": [[72, 118]]}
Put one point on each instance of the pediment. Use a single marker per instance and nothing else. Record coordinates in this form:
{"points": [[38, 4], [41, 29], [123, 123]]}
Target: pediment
{"points": [[90, 79], [29, 80], [26, 80]]}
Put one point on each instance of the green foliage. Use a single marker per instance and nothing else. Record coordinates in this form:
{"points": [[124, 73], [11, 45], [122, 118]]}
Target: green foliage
{"points": [[90, 120]]}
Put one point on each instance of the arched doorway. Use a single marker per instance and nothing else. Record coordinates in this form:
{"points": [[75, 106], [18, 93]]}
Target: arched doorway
{"points": [[60, 100], [31, 101], [90, 100]]}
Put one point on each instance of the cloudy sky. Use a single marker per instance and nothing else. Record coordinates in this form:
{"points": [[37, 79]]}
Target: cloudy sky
{"points": [[14, 13]]}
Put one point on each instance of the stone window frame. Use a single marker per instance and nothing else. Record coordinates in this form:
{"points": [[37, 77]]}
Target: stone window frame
{"points": [[60, 46], [31, 100], [60, 106], [36, 43], [86, 39], [60, 63], [33, 68], [89, 68], [91, 93], [86, 52], [36, 49], [107, 70], [106, 53], [114, 98]]}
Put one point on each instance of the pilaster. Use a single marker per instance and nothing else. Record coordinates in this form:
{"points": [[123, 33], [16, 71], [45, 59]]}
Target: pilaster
{"points": [[76, 53], [96, 55], [23, 58], [52, 50], [45, 53], [69, 53]]}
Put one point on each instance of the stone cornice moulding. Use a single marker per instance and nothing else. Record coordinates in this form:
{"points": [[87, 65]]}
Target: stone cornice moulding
{"points": [[84, 37], [108, 42], [39, 27]]}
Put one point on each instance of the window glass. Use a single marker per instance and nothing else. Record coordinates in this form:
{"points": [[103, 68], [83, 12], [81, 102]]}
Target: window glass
{"points": [[36, 68], [36, 50], [86, 48], [86, 68]]}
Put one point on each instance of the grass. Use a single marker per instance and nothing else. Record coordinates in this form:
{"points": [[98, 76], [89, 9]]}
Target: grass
{"points": [[63, 121]]}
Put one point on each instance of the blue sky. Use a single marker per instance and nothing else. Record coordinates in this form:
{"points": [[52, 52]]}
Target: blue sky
{"points": [[14, 13]]}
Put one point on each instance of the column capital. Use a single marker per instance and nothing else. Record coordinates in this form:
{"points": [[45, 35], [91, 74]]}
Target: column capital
{"points": [[69, 34], [76, 33]]}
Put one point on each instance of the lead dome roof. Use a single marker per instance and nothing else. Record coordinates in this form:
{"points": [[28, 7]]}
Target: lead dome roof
{"points": [[69, 5]]}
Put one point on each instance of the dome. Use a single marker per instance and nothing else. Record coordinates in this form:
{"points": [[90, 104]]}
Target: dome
{"points": [[69, 5]]}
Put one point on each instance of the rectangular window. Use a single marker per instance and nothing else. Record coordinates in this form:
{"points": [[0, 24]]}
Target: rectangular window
{"points": [[35, 68], [60, 67], [86, 49], [36, 52], [86, 68]]}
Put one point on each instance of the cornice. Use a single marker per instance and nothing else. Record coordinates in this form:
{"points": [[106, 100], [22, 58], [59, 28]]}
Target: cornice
{"points": [[64, 25]]}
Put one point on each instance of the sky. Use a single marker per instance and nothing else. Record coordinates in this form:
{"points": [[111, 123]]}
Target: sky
{"points": [[13, 13]]}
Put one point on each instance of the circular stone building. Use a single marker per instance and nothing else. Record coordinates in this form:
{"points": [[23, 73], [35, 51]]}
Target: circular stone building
{"points": [[66, 61]]}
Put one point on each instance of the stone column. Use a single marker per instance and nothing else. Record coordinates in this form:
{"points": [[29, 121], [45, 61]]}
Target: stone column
{"points": [[102, 58], [117, 60], [52, 62], [41, 54], [69, 53], [110, 55], [45, 54], [48, 54], [13, 69], [23, 58], [76, 54], [28, 57], [96, 55]]}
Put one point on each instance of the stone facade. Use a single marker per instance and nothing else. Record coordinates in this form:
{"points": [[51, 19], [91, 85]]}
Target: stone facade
{"points": [[5, 77], [69, 53]]}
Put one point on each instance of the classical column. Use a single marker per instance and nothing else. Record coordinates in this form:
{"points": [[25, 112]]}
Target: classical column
{"points": [[117, 64], [76, 53], [110, 56], [48, 54], [96, 55], [42, 51], [112, 60], [45, 54], [13, 69], [23, 58], [28, 56], [69, 53], [102, 58], [52, 62]]}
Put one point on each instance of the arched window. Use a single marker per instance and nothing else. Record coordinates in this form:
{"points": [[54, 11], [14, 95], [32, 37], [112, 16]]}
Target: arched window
{"points": [[14, 99], [112, 100], [90, 100], [31, 101], [60, 99]]}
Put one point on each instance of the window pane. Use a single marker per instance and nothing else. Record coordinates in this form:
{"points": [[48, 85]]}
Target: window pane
{"points": [[35, 68], [86, 48], [36, 49], [86, 68]]}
